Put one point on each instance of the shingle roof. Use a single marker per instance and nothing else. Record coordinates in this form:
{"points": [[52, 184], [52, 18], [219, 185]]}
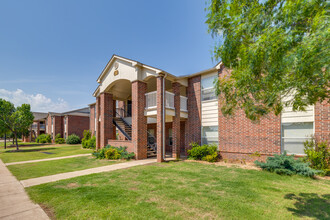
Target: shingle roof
{"points": [[39, 115]]}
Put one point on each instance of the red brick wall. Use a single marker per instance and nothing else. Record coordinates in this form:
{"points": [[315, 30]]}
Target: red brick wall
{"points": [[139, 121], [193, 124], [92, 119], [239, 137], [106, 115], [58, 125], [322, 121], [77, 125], [118, 143], [176, 121]]}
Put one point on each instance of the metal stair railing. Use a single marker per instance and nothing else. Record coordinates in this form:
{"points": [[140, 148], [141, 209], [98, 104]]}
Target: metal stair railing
{"points": [[151, 145]]}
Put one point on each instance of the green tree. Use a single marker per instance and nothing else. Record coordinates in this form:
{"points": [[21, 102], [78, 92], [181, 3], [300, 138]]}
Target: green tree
{"points": [[274, 48], [17, 120], [3, 133]]}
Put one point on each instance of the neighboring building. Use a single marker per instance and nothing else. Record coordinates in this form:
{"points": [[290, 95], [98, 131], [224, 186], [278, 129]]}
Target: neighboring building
{"points": [[38, 127], [66, 123], [130, 111]]}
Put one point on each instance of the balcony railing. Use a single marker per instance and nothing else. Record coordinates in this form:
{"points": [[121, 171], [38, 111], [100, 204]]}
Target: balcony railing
{"points": [[151, 101], [183, 103]]}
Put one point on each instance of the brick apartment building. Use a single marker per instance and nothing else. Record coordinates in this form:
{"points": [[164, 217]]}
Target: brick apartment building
{"points": [[153, 112], [66, 123]]}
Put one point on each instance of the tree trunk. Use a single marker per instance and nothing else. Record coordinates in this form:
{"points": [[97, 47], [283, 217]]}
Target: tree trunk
{"points": [[16, 142], [5, 141]]}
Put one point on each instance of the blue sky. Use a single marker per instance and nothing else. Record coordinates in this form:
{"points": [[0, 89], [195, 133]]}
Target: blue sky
{"points": [[51, 52]]}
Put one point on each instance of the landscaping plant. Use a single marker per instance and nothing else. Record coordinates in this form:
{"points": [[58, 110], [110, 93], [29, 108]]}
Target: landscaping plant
{"points": [[59, 139], [206, 152], [318, 155], [109, 152], [112, 154], [44, 138], [284, 164], [88, 141], [73, 139]]}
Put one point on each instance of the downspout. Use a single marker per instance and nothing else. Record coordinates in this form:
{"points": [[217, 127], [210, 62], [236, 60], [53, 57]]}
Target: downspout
{"points": [[164, 112]]}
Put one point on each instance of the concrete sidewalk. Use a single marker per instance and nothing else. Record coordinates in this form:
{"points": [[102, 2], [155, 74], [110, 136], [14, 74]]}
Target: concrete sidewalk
{"points": [[14, 202], [62, 176], [48, 159]]}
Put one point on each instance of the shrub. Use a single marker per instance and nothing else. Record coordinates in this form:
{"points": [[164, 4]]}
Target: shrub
{"points": [[284, 164], [204, 152], [318, 155], [87, 141], [100, 154], [92, 143], [212, 157], [73, 139], [122, 152], [112, 154], [44, 138], [59, 139]]}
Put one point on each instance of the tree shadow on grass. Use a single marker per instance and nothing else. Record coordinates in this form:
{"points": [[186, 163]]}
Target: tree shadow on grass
{"points": [[310, 205], [30, 150]]}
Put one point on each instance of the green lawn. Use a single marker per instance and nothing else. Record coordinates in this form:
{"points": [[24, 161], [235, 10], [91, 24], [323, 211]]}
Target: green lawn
{"points": [[20, 143], [182, 190], [35, 153], [46, 168]]}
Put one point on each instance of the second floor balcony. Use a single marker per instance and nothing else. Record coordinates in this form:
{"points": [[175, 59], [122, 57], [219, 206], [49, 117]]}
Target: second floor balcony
{"points": [[151, 103]]}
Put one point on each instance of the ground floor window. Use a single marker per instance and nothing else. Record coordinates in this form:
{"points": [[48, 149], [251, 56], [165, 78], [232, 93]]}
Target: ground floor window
{"points": [[294, 135], [210, 135]]}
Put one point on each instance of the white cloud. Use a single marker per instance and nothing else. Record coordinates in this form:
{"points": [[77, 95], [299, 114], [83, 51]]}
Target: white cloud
{"points": [[38, 102]]}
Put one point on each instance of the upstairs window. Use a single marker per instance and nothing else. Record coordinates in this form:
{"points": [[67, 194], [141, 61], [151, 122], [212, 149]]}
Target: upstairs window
{"points": [[207, 88]]}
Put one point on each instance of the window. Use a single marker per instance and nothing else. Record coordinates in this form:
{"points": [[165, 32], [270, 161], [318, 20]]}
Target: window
{"points": [[210, 135], [294, 135], [207, 86]]}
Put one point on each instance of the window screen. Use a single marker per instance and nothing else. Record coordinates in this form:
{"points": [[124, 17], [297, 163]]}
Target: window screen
{"points": [[294, 135], [210, 135]]}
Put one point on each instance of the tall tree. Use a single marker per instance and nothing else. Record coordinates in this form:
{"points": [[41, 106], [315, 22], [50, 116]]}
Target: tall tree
{"points": [[275, 48], [17, 120], [3, 133]]}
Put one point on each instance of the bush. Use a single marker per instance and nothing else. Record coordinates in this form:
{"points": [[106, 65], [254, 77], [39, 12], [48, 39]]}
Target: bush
{"points": [[112, 154], [122, 152], [205, 152], [44, 138], [87, 141], [211, 158], [284, 164], [59, 139], [73, 139], [318, 155]]}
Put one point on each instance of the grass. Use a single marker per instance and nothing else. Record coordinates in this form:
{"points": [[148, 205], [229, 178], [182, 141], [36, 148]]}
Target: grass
{"points": [[35, 153], [20, 143], [181, 190], [46, 168]]}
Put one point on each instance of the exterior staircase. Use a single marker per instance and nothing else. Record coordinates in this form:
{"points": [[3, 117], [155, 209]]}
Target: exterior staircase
{"points": [[126, 129], [123, 127]]}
